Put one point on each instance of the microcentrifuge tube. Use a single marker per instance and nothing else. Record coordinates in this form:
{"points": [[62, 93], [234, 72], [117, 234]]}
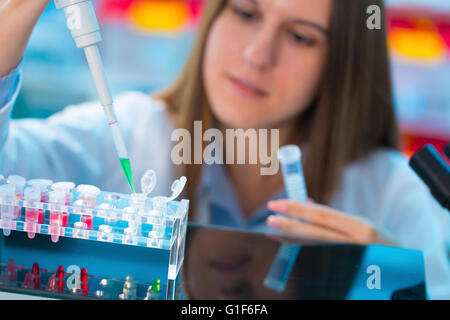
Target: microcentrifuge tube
{"points": [[84, 282], [32, 202], [41, 185], [105, 232], [128, 235], [36, 276], [80, 229], [88, 196], [12, 272], [67, 188], [129, 289], [28, 281], [19, 183], [60, 277], [153, 290], [294, 183], [56, 208], [7, 198]]}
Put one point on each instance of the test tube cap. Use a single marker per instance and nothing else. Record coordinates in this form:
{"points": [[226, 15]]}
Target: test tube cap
{"points": [[88, 189], [65, 186], [19, 181], [289, 153], [40, 184]]}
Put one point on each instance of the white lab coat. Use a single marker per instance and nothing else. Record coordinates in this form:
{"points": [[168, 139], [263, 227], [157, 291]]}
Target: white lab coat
{"points": [[76, 145]]}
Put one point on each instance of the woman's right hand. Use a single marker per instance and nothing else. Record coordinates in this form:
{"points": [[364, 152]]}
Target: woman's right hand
{"points": [[17, 20]]}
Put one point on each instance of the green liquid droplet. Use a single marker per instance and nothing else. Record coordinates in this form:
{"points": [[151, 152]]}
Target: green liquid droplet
{"points": [[126, 166]]}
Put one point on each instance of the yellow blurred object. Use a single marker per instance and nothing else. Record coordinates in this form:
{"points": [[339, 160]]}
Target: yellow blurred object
{"points": [[421, 43], [158, 15]]}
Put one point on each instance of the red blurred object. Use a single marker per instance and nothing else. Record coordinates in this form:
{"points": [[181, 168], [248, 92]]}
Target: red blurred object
{"points": [[444, 31], [413, 143], [88, 220], [60, 276], [65, 216], [195, 8], [84, 282], [35, 273], [11, 269], [28, 281], [113, 10]]}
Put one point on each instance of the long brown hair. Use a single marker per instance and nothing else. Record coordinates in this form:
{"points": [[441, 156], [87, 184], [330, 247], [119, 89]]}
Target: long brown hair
{"points": [[351, 115]]}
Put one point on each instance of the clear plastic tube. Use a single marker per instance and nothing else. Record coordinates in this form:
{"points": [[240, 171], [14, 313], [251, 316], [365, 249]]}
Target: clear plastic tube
{"points": [[294, 182], [41, 185], [56, 208], [32, 199], [7, 196], [19, 183]]}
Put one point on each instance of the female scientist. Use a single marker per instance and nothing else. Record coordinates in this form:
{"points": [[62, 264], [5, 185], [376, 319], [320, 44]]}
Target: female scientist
{"points": [[311, 69]]}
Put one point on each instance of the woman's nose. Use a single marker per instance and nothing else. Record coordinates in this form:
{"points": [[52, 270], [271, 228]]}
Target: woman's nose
{"points": [[261, 51]]}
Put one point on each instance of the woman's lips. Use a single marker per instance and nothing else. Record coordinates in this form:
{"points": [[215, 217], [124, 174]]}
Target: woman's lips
{"points": [[247, 89], [229, 264]]}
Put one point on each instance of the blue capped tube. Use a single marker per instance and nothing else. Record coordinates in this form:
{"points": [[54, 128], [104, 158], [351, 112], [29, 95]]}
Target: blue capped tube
{"points": [[294, 183]]}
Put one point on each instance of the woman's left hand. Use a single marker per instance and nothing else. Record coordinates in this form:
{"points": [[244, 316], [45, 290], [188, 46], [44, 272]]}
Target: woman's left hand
{"points": [[324, 223]]}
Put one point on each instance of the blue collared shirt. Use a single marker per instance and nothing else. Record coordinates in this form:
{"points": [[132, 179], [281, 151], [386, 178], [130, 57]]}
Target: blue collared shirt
{"points": [[224, 205]]}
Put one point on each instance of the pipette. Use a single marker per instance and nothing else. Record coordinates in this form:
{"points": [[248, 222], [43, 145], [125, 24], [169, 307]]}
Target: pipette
{"points": [[83, 24], [294, 182]]}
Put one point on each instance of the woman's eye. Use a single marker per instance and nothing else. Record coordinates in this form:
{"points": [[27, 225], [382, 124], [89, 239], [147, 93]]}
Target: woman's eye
{"points": [[299, 38], [246, 15]]}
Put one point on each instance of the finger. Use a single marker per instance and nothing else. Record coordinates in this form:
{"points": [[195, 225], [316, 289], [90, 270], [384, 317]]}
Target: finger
{"points": [[308, 230], [318, 214]]}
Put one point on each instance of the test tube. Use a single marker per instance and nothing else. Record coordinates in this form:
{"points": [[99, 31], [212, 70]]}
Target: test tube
{"points": [[9, 274], [153, 290], [138, 201], [32, 203], [36, 276], [87, 199], [42, 185], [7, 198], [12, 272], [67, 188], [84, 282], [80, 229], [160, 205], [60, 278], [56, 207], [129, 233], [294, 182], [105, 232], [106, 211], [19, 183], [129, 289]]}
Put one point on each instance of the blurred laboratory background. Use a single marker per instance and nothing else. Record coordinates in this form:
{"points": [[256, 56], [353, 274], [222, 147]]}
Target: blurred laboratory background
{"points": [[146, 43]]}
